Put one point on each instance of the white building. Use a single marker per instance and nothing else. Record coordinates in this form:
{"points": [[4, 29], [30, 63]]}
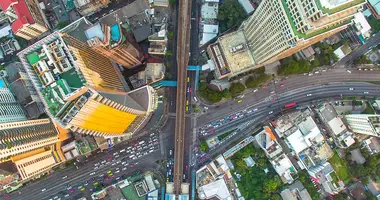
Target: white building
{"points": [[216, 189], [362, 25], [364, 124]]}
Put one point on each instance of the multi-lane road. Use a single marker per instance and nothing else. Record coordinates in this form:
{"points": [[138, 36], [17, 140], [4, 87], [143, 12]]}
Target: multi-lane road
{"points": [[258, 113], [291, 84], [94, 170]]}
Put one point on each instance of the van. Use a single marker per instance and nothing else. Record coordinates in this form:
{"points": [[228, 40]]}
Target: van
{"points": [[195, 99]]}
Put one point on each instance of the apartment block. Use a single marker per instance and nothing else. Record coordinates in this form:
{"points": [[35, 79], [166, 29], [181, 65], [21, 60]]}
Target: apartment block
{"points": [[278, 29], [10, 109], [27, 18], [81, 88], [364, 124], [24, 136]]}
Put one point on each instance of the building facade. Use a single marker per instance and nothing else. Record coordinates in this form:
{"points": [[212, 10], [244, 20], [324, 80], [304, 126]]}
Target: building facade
{"points": [[110, 42], [81, 88], [24, 136], [364, 124], [280, 28], [10, 109], [27, 18]]}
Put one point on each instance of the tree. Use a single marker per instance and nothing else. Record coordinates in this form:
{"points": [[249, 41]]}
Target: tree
{"points": [[170, 35], [236, 88], [230, 13], [172, 2], [168, 64], [168, 53], [261, 162], [62, 24], [168, 75], [275, 197], [362, 60], [252, 81], [204, 146]]}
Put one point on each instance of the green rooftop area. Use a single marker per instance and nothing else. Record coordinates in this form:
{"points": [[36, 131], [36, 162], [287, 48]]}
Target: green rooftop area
{"points": [[72, 78], [130, 193], [317, 32], [338, 8], [33, 58], [54, 95]]}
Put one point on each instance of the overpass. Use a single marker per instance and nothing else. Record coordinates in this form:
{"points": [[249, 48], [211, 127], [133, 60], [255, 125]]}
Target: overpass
{"points": [[183, 45]]}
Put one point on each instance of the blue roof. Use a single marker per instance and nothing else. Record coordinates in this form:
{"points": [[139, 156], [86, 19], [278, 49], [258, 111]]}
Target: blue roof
{"points": [[2, 84], [115, 33], [169, 196], [95, 31]]}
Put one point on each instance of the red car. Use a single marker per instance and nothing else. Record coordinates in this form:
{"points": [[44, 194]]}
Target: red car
{"points": [[109, 159], [272, 100], [191, 90], [265, 86], [282, 85], [71, 191], [212, 130], [187, 167], [7, 196], [107, 178]]}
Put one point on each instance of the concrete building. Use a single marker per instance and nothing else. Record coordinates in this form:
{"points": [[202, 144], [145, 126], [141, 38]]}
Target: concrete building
{"points": [[81, 88], [27, 18], [36, 165], [153, 72], [24, 136], [10, 109], [364, 124], [24, 91], [325, 175], [295, 191], [159, 3], [158, 41], [374, 6], [87, 7], [278, 29]]}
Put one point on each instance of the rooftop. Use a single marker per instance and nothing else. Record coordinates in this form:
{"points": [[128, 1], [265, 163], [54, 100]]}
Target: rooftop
{"points": [[217, 189], [209, 10], [337, 126], [21, 10], [375, 4], [236, 52]]}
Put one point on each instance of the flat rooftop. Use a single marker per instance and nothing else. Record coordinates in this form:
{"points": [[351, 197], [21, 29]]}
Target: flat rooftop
{"points": [[236, 51], [55, 71], [333, 3]]}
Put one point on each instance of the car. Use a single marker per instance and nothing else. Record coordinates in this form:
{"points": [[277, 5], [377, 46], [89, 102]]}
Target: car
{"points": [[118, 171], [115, 153], [170, 152], [71, 191], [7, 196], [109, 172], [82, 189], [188, 89], [272, 92], [113, 164], [195, 99], [64, 177], [305, 74], [366, 92], [69, 187], [92, 173], [184, 176], [95, 183], [117, 178], [86, 183], [270, 112], [281, 85], [188, 79], [121, 151], [348, 71], [255, 90], [43, 190], [191, 89], [255, 109], [186, 167], [109, 159], [95, 168], [317, 72], [239, 101], [265, 86], [124, 169], [308, 95], [351, 89], [67, 195], [310, 74], [107, 178]]}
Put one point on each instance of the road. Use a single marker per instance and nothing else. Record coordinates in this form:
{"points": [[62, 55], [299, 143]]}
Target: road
{"points": [[293, 83], [349, 59], [56, 184], [248, 122], [183, 38]]}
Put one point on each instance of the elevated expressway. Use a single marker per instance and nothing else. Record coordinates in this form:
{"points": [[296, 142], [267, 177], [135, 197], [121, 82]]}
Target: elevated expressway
{"points": [[183, 41]]}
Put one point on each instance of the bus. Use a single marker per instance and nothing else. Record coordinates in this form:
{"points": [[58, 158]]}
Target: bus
{"points": [[290, 105]]}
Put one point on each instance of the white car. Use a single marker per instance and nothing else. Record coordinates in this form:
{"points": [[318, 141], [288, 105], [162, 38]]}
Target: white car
{"points": [[272, 92], [118, 171], [92, 173], [270, 112], [366, 92], [124, 169], [121, 151], [255, 90], [64, 177], [43, 190], [351, 89], [348, 71], [254, 110], [308, 95]]}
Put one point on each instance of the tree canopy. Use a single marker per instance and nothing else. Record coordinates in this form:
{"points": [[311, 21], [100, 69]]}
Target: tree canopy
{"points": [[230, 13], [254, 81], [212, 95], [236, 88]]}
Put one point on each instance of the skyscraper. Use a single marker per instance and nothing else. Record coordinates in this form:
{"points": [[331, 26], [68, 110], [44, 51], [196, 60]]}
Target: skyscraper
{"points": [[106, 40], [82, 90], [26, 17], [23, 136], [278, 29], [10, 109]]}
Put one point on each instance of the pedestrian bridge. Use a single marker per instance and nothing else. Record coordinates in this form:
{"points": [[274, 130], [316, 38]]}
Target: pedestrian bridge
{"points": [[167, 83]]}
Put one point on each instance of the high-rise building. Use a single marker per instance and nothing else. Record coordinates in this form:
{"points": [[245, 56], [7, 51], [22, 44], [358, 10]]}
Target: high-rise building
{"points": [[82, 90], [23, 136], [106, 40], [10, 109], [278, 29], [23, 89], [364, 124], [27, 18]]}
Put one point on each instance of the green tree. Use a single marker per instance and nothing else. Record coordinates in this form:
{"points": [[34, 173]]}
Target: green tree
{"points": [[168, 64], [275, 197], [2, 67], [261, 162], [339, 196], [62, 24], [170, 35], [168, 75], [362, 60], [230, 13], [236, 88], [168, 53], [204, 146], [172, 2]]}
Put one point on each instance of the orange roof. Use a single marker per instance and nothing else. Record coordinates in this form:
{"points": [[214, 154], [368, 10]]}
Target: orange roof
{"points": [[269, 131]]}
